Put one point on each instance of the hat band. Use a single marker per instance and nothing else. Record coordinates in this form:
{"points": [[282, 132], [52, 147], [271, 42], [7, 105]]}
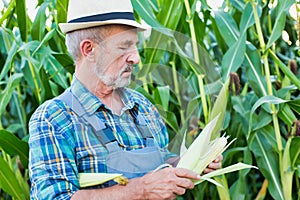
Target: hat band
{"points": [[105, 17]]}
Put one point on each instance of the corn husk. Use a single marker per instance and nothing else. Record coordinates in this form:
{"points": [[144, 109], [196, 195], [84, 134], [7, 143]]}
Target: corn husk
{"points": [[92, 179], [200, 149], [218, 172], [203, 151]]}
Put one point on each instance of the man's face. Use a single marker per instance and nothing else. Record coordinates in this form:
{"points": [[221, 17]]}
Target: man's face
{"points": [[115, 57]]}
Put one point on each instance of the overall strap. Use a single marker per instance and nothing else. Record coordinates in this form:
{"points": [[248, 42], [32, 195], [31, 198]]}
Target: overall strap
{"points": [[140, 122], [142, 126], [102, 131]]}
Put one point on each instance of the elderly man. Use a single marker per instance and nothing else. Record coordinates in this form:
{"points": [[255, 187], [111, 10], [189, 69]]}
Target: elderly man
{"points": [[98, 125]]}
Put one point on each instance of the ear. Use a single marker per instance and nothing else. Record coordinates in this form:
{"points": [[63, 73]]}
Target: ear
{"points": [[87, 49]]}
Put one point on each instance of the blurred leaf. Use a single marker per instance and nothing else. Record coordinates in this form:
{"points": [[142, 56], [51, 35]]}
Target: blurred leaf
{"points": [[172, 121], [14, 146], [286, 114], [238, 4], [56, 71], [267, 99], [143, 8], [39, 23], [47, 37], [260, 102], [9, 182], [286, 172], [47, 91], [204, 4], [154, 5], [192, 106], [22, 18], [62, 7], [219, 41], [164, 93], [254, 72], [286, 70], [234, 57], [264, 119], [6, 94], [9, 60], [166, 16], [154, 51], [36, 47], [8, 11], [295, 105], [66, 61], [267, 160], [219, 109], [295, 151], [14, 127], [247, 18], [227, 27], [281, 9], [238, 105]]}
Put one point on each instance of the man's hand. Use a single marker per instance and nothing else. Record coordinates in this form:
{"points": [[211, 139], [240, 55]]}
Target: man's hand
{"points": [[216, 164], [166, 183]]}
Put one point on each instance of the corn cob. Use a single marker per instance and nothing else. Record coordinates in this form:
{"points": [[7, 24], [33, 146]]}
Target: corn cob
{"points": [[91, 179], [121, 180]]}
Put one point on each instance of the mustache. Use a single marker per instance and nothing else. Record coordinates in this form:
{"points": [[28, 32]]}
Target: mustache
{"points": [[128, 68]]}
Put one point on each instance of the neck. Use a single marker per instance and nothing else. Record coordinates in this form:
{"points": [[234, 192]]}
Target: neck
{"points": [[107, 94]]}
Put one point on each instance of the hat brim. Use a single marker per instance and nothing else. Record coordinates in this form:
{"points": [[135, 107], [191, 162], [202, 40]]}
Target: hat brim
{"points": [[69, 27]]}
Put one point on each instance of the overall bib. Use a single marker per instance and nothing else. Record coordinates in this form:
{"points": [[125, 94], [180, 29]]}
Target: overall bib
{"points": [[131, 164]]}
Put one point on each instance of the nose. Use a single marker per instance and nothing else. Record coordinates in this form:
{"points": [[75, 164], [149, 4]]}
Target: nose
{"points": [[133, 57]]}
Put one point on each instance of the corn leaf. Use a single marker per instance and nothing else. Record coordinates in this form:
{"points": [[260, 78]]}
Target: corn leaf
{"points": [[287, 174], [219, 109], [9, 182], [281, 10], [12, 145], [218, 172], [261, 101], [212, 181], [183, 148]]}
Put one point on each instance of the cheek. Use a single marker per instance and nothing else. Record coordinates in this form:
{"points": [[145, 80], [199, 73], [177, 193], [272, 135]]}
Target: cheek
{"points": [[120, 60]]}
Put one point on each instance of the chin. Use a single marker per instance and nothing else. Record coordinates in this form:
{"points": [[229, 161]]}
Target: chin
{"points": [[122, 83]]}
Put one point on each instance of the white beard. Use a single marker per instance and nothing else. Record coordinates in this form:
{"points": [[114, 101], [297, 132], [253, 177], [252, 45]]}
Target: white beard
{"points": [[114, 82]]}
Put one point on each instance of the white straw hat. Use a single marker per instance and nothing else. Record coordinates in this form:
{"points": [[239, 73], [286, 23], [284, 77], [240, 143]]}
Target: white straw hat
{"points": [[90, 13]]}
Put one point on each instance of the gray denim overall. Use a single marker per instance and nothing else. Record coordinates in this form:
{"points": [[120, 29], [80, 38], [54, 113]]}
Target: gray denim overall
{"points": [[131, 164]]}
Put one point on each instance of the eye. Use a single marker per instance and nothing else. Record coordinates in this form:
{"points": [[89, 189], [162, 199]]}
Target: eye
{"points": [[123, 48]]}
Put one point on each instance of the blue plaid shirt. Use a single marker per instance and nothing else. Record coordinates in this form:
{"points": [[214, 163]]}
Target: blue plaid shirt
{"points": [[61, 146]]}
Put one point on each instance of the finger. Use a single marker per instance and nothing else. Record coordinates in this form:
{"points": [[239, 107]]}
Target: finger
{"points": [[219, 159], [179, 190], [214, 165], [207, 170], [185, 173], [185, 183]]}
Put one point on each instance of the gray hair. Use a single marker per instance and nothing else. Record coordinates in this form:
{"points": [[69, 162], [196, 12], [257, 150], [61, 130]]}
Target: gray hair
{"points": [[73, 39]]}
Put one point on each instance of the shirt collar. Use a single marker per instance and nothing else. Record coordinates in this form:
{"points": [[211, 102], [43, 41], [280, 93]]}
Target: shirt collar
{"points": [[128, 98], [91, 103], [88, 100]]}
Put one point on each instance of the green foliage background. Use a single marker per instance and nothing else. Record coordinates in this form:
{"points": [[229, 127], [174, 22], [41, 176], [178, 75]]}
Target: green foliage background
{"points": [[191, 51]]}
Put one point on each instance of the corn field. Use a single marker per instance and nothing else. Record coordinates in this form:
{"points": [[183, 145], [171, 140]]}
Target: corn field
{"points": [[191, 51]]}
